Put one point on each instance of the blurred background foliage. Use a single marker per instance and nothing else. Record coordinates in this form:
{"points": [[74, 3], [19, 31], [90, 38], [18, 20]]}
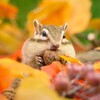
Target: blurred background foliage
{"points": [[16, 22], [25, 6], [95, 9]]}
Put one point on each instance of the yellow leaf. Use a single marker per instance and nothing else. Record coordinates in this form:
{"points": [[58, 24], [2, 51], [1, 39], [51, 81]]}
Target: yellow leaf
{"points": [[19, 69], [8, 42], [10, 36], [76, 13], [70, 59], [4, 1], [97, 66], [34, 89]]}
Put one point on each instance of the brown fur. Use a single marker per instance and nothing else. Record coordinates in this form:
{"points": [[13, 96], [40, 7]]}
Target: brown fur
{"points": [[33, 48]]}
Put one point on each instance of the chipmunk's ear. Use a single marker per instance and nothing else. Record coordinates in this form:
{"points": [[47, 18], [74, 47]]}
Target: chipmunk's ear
{"points": [[37, 25], [64, 27]]}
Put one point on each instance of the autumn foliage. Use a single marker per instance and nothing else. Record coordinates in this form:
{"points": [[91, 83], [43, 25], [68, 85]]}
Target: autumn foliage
{"points": [[60, 11], [50, 82], [9, 70], [8, 11], [6, 78]]}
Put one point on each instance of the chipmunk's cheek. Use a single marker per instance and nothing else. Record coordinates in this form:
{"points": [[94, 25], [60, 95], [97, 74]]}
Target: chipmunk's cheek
{"points": [[64, 41], [36, 37], [43, 38]]}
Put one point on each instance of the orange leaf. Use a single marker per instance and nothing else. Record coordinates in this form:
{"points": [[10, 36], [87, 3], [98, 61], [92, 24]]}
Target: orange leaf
{"points": [[8, 11], [6, 78], [2, 97], [49, 70], [53, 69], [95, 24]]}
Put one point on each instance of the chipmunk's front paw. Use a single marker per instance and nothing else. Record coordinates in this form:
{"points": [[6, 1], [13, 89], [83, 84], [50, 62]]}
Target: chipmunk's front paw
{"points": [[39, 61]]}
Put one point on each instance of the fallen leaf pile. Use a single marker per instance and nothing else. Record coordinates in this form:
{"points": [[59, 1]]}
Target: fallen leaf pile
{"points": [[34, 83], [52, 82]]}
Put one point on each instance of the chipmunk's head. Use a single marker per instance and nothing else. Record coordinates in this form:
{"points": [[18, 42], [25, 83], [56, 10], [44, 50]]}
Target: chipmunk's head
{"points": [[54, 34]]}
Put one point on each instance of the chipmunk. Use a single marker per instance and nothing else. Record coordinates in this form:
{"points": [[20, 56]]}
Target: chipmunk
{"points": [[45, 37]]}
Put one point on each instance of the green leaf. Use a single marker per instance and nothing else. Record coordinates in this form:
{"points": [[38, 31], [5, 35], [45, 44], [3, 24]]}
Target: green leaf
{"points": [[24, 7], [98, 37], [83, 36], [95, 8]]}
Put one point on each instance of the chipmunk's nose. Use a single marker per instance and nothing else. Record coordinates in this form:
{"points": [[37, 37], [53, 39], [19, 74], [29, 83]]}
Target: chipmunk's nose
{"points": [[54, 47]]}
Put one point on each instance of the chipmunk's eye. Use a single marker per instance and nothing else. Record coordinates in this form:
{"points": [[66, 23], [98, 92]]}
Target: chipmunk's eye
{"points": [[44, 34], [64, 37]]}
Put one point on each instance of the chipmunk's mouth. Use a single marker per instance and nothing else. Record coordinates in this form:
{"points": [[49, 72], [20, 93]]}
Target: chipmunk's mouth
{"points": [[54, 47]]}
